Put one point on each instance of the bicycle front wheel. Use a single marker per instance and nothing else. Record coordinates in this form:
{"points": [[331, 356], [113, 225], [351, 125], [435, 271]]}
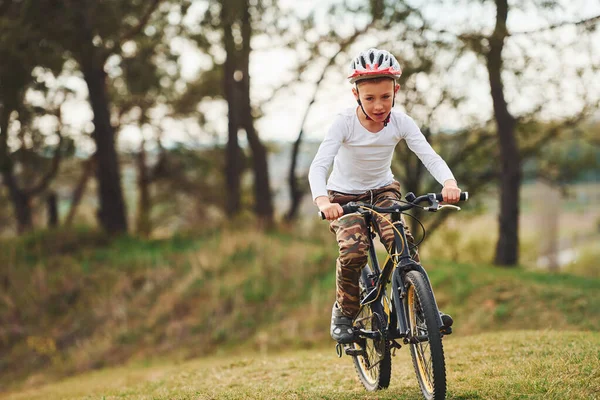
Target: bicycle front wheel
{"points": [[372, 359], [426, 345]]}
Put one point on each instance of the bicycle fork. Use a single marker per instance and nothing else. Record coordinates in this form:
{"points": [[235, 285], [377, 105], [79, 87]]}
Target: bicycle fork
{"points": [[399, 291], [400, 307]]}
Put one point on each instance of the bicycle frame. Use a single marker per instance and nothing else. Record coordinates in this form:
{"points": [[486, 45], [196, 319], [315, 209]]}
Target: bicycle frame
{"points": [[395, 266]]}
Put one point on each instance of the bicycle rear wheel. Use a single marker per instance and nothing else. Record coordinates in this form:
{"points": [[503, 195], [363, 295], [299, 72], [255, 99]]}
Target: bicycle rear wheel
{"points": [[427, 352], [373, 361]]}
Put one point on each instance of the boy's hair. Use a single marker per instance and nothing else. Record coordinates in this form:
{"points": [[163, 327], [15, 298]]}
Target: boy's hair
{"points": [[376, 80]]}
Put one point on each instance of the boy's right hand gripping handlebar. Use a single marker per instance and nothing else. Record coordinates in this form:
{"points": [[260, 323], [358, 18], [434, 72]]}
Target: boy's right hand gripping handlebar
{"points": [[464, 196], [432, 198]]}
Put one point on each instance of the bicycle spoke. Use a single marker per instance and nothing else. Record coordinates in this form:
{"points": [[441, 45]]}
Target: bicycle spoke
{"points": [[423, 351], [373, 363]]}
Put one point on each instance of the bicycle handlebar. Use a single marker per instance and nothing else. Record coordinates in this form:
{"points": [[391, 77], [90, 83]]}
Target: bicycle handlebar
{"points": [[464, 196], [432, 199]]}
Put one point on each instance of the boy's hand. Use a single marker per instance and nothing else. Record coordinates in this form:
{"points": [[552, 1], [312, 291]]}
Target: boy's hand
{"points": [[451, 191], [332, 211]]}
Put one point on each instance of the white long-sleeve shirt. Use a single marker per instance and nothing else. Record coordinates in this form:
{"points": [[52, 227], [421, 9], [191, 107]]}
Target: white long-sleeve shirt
{"points": [[362, 160]]}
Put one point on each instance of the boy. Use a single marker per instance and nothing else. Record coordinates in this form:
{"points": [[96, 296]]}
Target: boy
{"points": [[361, 143]]}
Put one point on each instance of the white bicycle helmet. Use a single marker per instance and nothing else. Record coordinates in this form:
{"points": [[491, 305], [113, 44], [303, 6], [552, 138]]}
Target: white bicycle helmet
{"points": [[374, 63]]}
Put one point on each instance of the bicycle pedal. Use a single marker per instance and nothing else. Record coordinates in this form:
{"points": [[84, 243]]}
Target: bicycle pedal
{"points": [[338, 350], [354, 352]]}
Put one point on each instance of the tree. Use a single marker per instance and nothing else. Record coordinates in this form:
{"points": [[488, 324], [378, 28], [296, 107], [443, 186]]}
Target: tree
{"points": [[297, 190], [419, 41], [232, 26], [30, 157], [374, 13], [143, 88], [237, 24], [507, 248], [91, 32], [23, 48], [232, 91], [492, 49], [91, 59], [419, 59]]}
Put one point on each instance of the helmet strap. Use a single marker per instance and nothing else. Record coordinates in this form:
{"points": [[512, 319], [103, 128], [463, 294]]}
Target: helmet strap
{"points": [[363, 110], [360, 104], [387, 120]]}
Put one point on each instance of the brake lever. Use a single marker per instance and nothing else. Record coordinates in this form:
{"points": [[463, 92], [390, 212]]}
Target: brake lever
{"points": [[449, 205]]}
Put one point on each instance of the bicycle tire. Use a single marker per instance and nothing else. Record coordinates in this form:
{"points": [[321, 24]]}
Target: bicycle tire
{"points": [[377, 352], [427, 356]]}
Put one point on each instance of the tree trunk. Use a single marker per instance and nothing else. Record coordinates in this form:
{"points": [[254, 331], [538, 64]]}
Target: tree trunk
{"points": [[22, 205], [111, 214], [88, 169], [233, 153], [20, 199], [52, 210], [143, 225], [507, 248], [295, 193], [262, 190]]}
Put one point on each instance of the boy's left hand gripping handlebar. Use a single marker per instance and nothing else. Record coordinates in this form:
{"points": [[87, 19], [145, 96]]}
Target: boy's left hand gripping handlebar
{"points": [[348, 208]]}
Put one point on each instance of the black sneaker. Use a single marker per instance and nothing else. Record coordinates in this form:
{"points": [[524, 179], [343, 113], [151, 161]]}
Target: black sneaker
{"points": [[341, 326], [447, 322]]}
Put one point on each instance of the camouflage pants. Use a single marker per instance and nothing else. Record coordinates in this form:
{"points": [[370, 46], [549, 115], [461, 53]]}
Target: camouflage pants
{"points": [[351, 235]]}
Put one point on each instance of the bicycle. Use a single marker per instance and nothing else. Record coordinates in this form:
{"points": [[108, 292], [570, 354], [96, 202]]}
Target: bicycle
{"points": [[411, 314]]}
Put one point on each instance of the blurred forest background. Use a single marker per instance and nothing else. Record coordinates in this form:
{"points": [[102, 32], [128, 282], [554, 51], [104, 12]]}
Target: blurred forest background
{"points": [[153, 162]]}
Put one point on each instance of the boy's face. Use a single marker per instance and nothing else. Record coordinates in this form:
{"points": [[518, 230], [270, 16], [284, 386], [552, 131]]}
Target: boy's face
{"points": [[376, 97]]}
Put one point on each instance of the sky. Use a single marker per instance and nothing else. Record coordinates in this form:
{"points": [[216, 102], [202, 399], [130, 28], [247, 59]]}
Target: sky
{"points": [[283, 114]]}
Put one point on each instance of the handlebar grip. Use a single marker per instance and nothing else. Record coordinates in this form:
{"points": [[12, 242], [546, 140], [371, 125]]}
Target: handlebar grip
{"points": [[464, 196], [347, 208]]}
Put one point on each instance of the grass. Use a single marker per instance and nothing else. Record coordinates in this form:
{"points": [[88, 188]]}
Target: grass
{"points": [[76, 302], [487, 298], [507, 365], [108, 301]]}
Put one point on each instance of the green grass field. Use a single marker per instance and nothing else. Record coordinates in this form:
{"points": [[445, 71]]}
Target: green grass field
{"points": [[242, 314], [507, 365]]}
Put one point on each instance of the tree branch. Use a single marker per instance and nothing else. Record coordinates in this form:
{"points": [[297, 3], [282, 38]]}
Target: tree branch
{"points": [[88, 169], [141, 24], [587, 21], [296, 192], [482, 139], [533, 148], [45, 180]]}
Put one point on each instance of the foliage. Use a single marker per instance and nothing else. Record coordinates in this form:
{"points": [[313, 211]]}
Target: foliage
{"points": [[27, 164], [570, 157], [142, 47]]}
